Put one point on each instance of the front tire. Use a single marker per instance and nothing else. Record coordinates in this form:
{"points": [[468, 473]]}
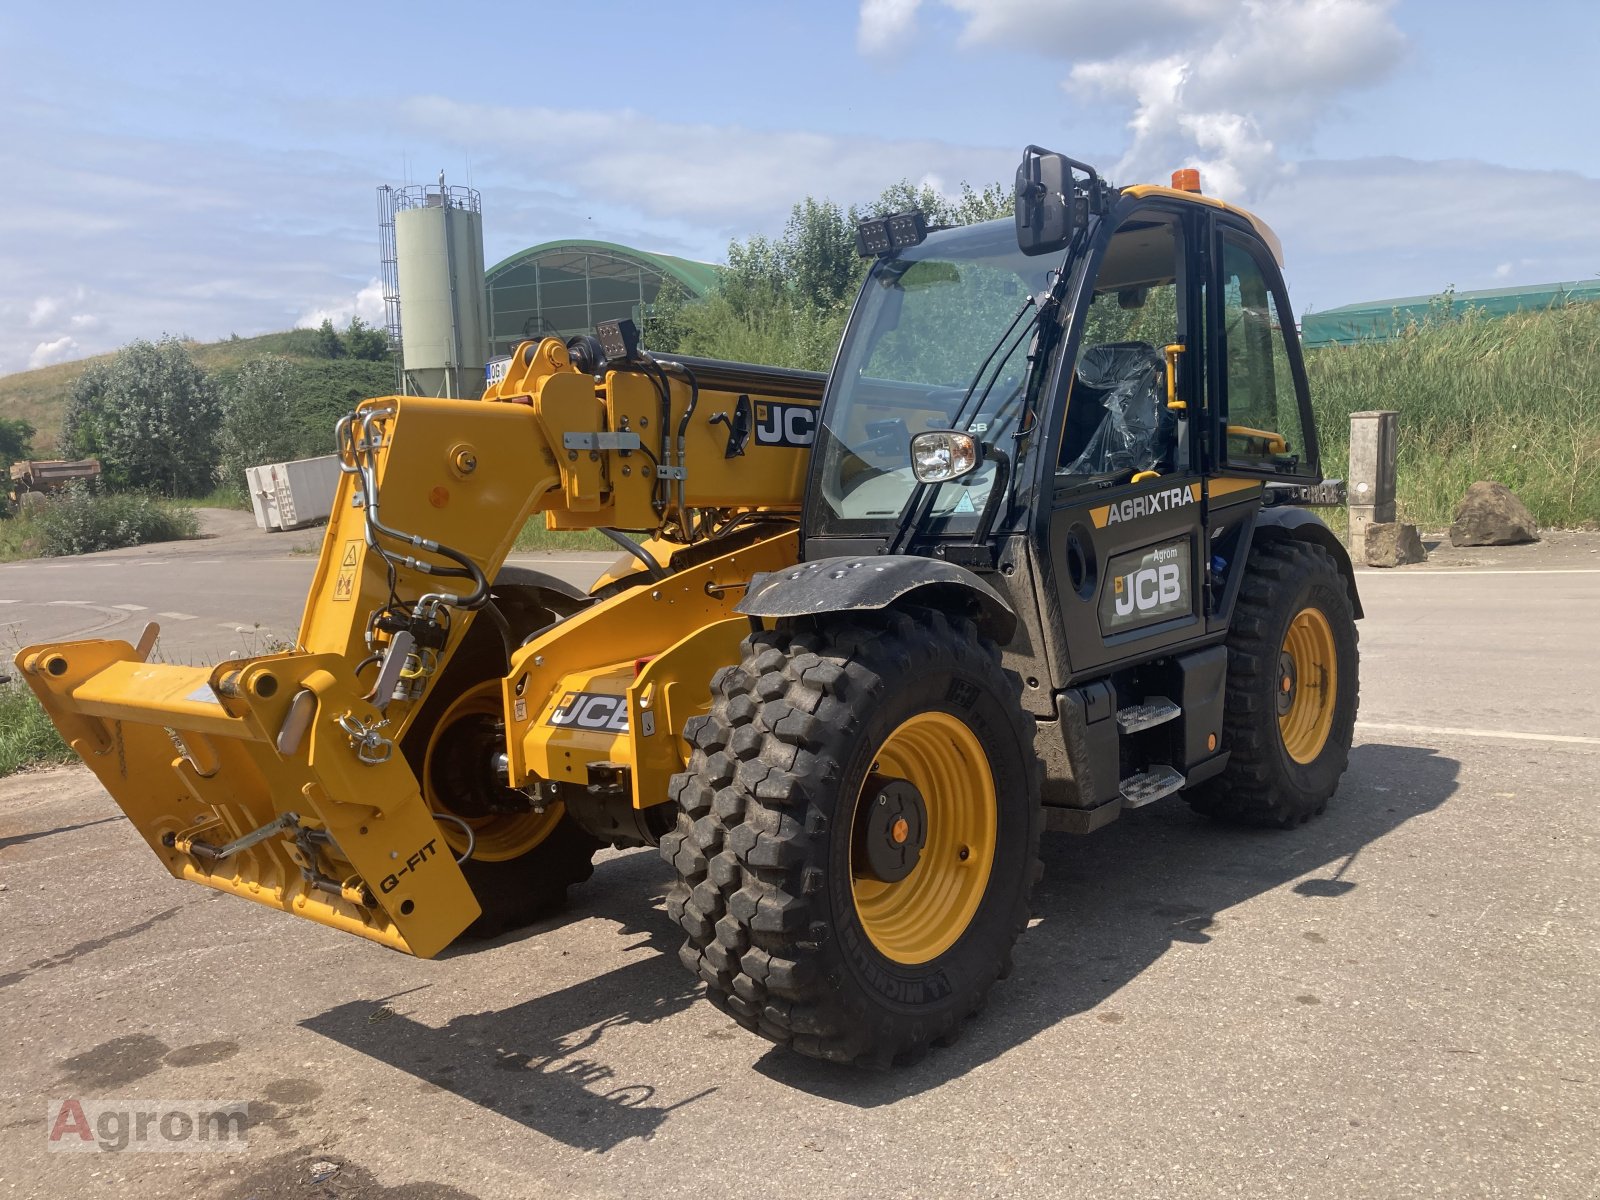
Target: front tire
{"points": [[523, 861], [857, 834], [1290, 710]]}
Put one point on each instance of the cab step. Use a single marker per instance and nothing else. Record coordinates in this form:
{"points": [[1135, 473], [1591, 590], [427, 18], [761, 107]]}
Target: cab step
{"points": [[1150, 785], [1156, 710]]}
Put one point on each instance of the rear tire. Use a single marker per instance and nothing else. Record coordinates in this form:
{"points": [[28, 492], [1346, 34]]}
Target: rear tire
{"points": [[1292, 693], [519, 886], [796, 934]]}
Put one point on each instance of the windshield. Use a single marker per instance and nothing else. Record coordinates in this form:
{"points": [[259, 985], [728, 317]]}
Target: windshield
{"points": [[922, 332]]}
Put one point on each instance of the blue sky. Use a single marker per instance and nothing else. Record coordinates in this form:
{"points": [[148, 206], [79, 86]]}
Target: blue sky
{"points": [[207, 169]]}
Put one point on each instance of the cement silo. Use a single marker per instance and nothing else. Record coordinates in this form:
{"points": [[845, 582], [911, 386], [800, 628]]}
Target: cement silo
{"points": [[438, 257]]}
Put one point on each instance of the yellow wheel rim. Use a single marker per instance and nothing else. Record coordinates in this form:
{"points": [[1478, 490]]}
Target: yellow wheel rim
{"points": [[498, 836], [919, 917], [1308, 685]]}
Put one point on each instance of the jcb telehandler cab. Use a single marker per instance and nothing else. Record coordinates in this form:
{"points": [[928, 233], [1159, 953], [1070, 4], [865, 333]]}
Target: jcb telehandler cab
{"points": [[1036, 553]]}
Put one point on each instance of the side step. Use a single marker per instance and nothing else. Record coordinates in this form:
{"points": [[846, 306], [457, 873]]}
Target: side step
{"points": [[1156, 710], [1150, 785]]}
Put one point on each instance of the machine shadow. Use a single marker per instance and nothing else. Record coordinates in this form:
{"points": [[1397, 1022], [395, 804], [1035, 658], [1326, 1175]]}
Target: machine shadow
{"points": [[542, 1063], [1109, 905]]}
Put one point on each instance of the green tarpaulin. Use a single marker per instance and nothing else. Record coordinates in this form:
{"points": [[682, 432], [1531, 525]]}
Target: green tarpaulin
{"points": [[1380, 319]]}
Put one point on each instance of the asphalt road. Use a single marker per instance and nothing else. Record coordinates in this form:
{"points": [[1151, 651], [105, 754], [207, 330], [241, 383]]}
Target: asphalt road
{"points": [[237, 591], [1400, 999]]}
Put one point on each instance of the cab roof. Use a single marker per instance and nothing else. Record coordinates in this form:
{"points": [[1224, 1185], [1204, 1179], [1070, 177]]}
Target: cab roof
{"points": [[1263, 230]]}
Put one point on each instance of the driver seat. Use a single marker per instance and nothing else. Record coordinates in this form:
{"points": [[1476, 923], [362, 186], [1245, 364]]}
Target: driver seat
{"points": [[1117, 419]]}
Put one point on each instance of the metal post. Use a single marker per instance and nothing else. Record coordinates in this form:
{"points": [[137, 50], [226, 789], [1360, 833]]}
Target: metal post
{"points": [[1374, 446]]}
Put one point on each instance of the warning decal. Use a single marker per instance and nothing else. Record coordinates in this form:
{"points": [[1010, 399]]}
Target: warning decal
{"points": [[344, 587]]}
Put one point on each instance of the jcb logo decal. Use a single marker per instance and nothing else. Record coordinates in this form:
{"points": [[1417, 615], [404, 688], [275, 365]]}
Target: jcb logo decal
{"points": [[1144, 587], [1165, 500], [592, 710], [1148, 588], [786, 424]]}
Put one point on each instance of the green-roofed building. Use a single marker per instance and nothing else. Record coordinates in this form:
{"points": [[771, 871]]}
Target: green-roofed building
{"points": [[563, 288], [1380, 319]]}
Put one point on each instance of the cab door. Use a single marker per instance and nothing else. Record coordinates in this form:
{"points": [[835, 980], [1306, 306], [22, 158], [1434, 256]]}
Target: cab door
{"points": [[1126, 534], [1256, 421]]}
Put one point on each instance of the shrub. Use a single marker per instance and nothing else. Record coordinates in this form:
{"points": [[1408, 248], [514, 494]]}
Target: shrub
{"points": [[258, 417], [150, 416], [82, 520]]}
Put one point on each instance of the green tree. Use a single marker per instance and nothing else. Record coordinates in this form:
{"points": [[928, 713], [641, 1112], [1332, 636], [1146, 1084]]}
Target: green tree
{"points": [[150, 416], [328, 344], [83, 422], [362, 341], [16, 441], [663, 328], [259, 421], [785, 300]]}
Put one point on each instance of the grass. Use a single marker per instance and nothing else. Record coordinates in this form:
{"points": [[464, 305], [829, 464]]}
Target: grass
{"points": [[1514, 399], [82, 521], [535, 536], [27, 737], [224, 495]]}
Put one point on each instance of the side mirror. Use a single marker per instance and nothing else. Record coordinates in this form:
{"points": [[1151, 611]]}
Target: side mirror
{"points": [[1046, 210], [1053, 202], [941, 455]]}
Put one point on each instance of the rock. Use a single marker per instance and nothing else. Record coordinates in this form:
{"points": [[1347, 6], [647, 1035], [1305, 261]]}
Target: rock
{"points": [[1393, 544], [1490, 515], [324, 1169]]}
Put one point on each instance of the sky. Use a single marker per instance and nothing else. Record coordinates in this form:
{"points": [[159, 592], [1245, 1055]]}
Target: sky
{"points": [[210, 169]]}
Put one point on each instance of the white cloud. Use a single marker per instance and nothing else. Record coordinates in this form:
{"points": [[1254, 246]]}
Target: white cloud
{"points": [[1372, 229], [366, 304], [61, 350], [41, 310], [884, 23], [1224, 85], [1080, 30], [1503, 271], [726, 176]]}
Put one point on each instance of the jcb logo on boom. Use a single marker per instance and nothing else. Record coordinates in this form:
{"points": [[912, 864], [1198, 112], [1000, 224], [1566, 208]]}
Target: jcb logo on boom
{"points": [[592, 710], [1166, 500], [786, 424]]}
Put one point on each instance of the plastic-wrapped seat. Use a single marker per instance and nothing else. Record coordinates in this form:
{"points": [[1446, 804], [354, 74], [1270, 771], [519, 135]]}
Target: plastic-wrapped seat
{"points": [[1117, 412]]}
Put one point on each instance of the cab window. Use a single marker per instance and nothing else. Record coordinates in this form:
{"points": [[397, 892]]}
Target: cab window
{"points": [[1117, 422], [1263, 425]]}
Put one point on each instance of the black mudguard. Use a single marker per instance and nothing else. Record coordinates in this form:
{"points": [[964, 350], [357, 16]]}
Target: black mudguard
{"points": [[851, 584], [1288, 522]]}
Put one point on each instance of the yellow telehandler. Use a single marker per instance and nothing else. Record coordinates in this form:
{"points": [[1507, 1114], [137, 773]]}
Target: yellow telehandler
{"points": [[1034, 552]]}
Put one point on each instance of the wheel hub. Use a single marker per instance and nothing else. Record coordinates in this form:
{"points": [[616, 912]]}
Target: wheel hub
{"points": [[464, 767], [1288, 682], [892, 830]]}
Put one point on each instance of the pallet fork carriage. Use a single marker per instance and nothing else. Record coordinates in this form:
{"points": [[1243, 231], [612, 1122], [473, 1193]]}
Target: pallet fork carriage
{"points": [[1033, 553]]}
